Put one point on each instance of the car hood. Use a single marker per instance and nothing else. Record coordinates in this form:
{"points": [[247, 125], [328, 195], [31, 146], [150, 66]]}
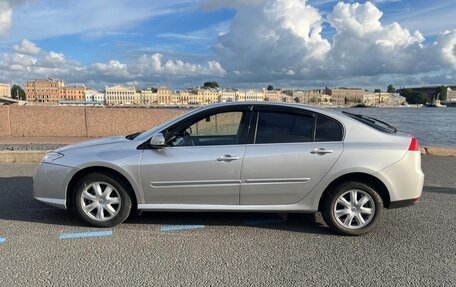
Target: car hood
{"points": [[95, 142]]}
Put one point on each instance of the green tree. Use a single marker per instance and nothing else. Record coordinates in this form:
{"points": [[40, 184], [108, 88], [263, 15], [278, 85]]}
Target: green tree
{"points": [[210, 85], [391, 88], [296, 99], [414, 97], [17, 93], [377, 91], [442, 93], [270, 88]]}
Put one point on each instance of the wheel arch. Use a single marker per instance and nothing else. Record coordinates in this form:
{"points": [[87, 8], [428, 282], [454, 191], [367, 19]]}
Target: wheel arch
{"points": [[100, 169], [366, 178]]}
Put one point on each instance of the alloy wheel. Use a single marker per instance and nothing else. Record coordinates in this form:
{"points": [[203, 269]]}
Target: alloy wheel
{"points": [[100, 201], [354, 209]]}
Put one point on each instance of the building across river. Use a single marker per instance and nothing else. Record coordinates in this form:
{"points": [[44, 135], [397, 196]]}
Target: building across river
{"points": [[5, 90]]}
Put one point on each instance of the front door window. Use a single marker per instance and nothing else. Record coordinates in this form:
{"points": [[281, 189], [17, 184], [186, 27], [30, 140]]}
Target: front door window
{"points": [[218, 129]]}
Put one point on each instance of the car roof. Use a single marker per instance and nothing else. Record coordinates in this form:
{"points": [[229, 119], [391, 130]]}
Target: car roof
{"points": [[326, 111]]}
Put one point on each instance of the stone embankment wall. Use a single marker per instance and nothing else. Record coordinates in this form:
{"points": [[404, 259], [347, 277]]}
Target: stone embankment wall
{"points": [[41, 121]]}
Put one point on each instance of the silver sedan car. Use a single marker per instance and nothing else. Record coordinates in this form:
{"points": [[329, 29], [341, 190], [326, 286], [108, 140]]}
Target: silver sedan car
{"points": [[260, 157]]}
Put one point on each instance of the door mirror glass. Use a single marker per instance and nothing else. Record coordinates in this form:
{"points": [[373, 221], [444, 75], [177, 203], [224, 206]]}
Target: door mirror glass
{"points": [[158, 140]]}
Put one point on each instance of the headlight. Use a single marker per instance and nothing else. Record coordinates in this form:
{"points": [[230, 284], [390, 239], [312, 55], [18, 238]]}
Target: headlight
{"points": [[50, 157]]}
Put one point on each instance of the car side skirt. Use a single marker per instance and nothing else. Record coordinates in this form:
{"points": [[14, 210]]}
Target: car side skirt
{"points": [[60, 203], [224, 208]]}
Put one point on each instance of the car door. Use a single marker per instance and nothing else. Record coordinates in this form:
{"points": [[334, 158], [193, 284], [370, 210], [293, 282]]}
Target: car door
{"points": [[202, 161], [291, 151]]}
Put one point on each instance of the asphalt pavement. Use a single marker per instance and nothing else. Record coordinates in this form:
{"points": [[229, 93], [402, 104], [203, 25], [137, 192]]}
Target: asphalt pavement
{"points": [[44, 246]]}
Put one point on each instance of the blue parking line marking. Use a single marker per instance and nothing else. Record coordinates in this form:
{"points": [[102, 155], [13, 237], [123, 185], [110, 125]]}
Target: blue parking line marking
{"points": [[85, 234], [2, 239], [264, 221], [180, 227]]}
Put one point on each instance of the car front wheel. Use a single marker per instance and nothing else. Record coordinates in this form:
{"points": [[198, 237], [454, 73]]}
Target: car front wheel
{"points": [[352, 208], [102, 200]]}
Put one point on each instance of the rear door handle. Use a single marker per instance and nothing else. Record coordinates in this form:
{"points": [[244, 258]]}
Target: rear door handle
{"points": [[321, 151], [227, 158]]}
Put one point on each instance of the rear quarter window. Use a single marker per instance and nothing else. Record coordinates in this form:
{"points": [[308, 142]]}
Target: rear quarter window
{"points": [[327, 130]]}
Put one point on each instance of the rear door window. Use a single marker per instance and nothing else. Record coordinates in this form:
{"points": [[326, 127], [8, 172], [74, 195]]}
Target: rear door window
{"points": [[279, 127]]}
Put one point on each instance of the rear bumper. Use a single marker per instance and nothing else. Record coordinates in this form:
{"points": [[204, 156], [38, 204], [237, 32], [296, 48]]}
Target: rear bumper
{"points": [[404, 180], [404, 203]]}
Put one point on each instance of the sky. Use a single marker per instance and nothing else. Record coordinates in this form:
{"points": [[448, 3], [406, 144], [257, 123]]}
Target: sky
{"points": [[238, 43]]}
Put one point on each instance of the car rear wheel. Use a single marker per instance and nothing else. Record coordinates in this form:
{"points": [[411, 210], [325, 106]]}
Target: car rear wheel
{"points": [[102, 200], [352, 208]]}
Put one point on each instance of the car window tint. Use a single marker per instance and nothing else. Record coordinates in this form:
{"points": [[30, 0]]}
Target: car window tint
{"points": [[218, 124], [275, 127], [327, 130]]}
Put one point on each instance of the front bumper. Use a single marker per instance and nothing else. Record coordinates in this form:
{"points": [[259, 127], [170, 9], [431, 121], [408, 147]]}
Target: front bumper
{"points": [[50, 182]]}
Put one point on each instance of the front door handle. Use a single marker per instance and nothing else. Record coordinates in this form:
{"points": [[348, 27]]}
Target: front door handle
{"points": [[227, 158], [321, 151]]}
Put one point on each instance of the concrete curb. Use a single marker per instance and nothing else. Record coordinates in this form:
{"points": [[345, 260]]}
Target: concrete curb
{"points": [[31, 156], [438, 151], [15, 156]]}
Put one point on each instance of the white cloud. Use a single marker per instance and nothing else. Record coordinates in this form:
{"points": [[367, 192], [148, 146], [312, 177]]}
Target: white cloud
{"points": [[16, 62], [356, 18], [5, 17], [6, 14], [362, 45], [26, 62], [272, 39], [446, 47], [23, 64], [154, 64], [362, 21], [282, 40], [27, 47], [113, 68]]}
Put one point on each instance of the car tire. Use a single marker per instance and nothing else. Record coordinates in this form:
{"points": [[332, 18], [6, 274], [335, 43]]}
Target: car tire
{"points": [[352, 208], [102, 199]]}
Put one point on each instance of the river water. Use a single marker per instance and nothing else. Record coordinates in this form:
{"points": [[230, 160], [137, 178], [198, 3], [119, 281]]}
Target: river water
{"points": [[432, 126]]}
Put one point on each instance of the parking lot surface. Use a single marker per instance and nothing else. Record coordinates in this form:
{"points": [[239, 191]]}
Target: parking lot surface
{"points": [[44, 246]]}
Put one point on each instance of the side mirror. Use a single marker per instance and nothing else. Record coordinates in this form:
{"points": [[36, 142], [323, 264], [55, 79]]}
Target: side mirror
{"points": [[158, 141]]}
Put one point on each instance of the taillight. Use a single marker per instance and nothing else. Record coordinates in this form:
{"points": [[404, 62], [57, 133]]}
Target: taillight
{"points": [[414, 145]]}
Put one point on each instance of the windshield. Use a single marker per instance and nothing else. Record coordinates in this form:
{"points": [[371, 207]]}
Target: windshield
{"points": [[145, 135]]}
